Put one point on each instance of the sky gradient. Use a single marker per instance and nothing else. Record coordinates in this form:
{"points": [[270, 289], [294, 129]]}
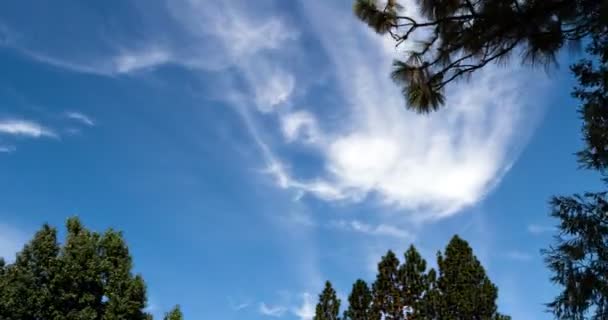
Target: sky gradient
{"points": [[251, 150]]}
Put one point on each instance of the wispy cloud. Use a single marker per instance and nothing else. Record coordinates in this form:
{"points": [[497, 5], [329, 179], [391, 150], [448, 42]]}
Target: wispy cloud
{"points": [[300, 125], [25, 128], [272, 311], [518, 255], [134, 61], [238, 306], [7, 149], [368, 229], [80, 117], [306, 311], [433, 166], [537, 229], [429, 167]]}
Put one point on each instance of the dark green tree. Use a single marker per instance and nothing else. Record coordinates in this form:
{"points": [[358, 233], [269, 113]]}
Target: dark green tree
{"points": [[387, 300], [464, 289], [452, 39], [328, 307], [579, 257], [88, 277], [359, 302], [415, 285], [174, 314], [28, 289]]}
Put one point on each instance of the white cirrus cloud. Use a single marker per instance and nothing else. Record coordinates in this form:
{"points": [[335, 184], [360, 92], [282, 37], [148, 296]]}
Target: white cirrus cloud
{"points": [[80, 117], [274, 90], [140, 60], [25, 128], [7, 149], [537, 229], [369, 229], [518, 256], [305, 311], [300, 125], [272, 311], [429, 166]]}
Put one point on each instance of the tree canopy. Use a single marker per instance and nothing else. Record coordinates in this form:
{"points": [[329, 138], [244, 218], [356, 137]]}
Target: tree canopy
{"points": [[459, 289], [451, 39], [87, 277]]}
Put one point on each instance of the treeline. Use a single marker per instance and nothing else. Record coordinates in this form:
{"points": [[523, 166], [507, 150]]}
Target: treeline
{"points": [[87, 277], [458, 289]]}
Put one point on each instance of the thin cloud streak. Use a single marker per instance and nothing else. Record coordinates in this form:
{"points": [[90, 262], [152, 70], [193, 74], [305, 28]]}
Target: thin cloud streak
{"points": [[25, 128], [272, 311], [81, 117]]}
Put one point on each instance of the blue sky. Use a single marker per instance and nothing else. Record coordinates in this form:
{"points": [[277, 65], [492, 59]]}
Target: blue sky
{"points": [[249, 151]]}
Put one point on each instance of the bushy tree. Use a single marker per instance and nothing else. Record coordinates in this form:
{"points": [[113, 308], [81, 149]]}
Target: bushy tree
{"points": [[89, 277]]}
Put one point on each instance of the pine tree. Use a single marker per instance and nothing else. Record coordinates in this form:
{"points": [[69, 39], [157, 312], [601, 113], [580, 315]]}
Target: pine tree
{"points": [[88, 278], [579, 257], [359, 302], [414, 284], [387, 301], [174, 314], [28, 286], [461, 37], [464, 289], [328, 307], [80, 286]]}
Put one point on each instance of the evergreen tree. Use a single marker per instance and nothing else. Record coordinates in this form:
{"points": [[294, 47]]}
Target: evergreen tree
{"points": [[88, 278], [174, 314], [464, 289], [414, 284], [328, 307], [463, 36], [579, 258], [28, 289], [387, 301], [359, 302]]}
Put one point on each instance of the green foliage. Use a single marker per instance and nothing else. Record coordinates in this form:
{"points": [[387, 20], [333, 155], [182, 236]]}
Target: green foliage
{"points": [[88, 277], [174, 314], [464, 289], [328, 307], [462, 36], [592, 88], [387, 301], [579, 256], [459, 290], [359, 302]]}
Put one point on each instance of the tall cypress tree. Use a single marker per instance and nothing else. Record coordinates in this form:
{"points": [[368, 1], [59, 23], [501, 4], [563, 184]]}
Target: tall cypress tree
{"points": [[465, 291], [328, 307], [359, 302], [387, 301]]}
